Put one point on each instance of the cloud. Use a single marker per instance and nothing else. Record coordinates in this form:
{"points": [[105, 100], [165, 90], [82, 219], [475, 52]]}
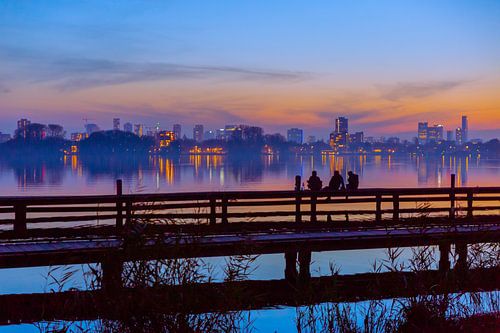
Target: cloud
{"points": [[71, 74], [404, 90]]}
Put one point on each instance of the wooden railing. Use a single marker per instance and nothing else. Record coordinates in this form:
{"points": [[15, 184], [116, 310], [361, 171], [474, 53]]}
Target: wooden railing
{"points": [[18, 215]]}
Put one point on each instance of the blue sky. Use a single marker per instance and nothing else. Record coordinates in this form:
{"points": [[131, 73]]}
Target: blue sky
{"points": [[385, 64]]}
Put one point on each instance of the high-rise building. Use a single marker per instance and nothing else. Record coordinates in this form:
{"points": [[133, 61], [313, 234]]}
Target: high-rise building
{"points": [[116, 124], [341, 125], [295, 135], [128, 127], [177, 129], [422, 133], [356, 138], [209, 135], [165, 138], [465, 129], [459, 136], [22, 125], [435, 133], [449, 135], [139, 130], [4, 137], [198, 133]]}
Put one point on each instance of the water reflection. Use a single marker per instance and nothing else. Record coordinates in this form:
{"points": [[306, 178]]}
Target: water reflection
{"points": [[72, 174]]}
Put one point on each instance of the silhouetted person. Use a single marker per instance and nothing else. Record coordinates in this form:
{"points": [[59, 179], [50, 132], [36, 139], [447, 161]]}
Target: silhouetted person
{"points": [[314, 183], [336, 182], [352, 181]]}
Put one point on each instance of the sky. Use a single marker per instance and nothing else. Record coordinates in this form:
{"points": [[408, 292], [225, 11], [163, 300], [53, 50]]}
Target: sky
{"points": [[385, 64]]}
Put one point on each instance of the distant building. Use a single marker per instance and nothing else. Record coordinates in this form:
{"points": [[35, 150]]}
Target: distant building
{"points": [[165, 138], [251, 133], [459, 136], [341, 125], [435, 133], [356, 138], [311, 139], [393, 140], [209, 135], [177, 129], [128, 127], [422, 133], [22, 125], [78, 136], [198, 133], [449, 136], [465, 129], [139, 130], [295, 135], [116, 124], [4, 137], [91, 128]]}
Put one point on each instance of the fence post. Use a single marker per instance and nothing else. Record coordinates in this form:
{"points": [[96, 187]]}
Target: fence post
{"points": [[395, 207], [298, 199], [224, 209], [378, 207], [313, 207], [128, 212], [304, 265], [444, 257], [291, 266], [461, 252], [470, 200], [213, 208], [119, 206], [20, 218], [452, 197]]}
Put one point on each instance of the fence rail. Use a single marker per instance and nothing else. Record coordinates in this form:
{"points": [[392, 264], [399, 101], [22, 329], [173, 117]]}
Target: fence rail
{"points": [[18, 215]]}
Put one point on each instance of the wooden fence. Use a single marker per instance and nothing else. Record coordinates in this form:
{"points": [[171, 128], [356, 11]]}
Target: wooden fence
{"points": [[18, 215]]}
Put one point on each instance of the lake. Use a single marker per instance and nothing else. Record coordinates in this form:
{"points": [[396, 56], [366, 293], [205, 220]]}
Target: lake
{"points": [[73, 175]]}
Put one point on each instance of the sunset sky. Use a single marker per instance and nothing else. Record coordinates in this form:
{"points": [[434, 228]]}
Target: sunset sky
{"points": [[277, 64]]}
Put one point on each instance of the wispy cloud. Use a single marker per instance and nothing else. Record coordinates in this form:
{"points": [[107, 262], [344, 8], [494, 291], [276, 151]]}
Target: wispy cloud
{"points": [[402, 90], [70, 74]]}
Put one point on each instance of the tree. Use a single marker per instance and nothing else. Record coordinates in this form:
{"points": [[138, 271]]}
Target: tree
{"points": [[56, 131]]}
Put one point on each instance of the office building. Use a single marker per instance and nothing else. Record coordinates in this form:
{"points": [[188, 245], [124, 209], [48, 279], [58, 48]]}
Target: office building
{"points": [[341, 125], [177, 129], [295, 135], [459, 136], [356, 138], [4, 137], [116, 124], [165, 138], [22, 125], [209, 135], [128, 127], [449, 135], [198, 133], [139, 130], [465, 129], [422, 133], [435, 133]]}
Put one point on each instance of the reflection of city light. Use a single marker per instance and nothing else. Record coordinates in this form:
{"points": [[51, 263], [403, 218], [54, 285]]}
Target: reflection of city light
{"points": [[74, 162], [169, 171]]}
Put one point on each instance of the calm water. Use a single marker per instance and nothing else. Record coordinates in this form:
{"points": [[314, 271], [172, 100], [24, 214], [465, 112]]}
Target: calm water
{"points": [[73, 175]]}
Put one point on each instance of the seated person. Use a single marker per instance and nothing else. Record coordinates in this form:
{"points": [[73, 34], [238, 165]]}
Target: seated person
{"points": [[352, 181], [314, 183], [337, 182]]}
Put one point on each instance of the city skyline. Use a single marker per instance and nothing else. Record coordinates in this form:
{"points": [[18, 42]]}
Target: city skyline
{"points": [[384, 65]]}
